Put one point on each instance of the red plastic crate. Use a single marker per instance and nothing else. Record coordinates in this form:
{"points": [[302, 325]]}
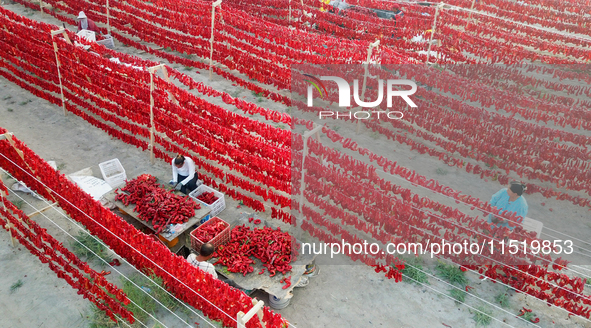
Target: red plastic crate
{"points": [[222, 238]]}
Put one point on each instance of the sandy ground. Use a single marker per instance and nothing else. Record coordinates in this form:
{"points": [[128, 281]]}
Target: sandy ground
{"points": [[350, 295]]}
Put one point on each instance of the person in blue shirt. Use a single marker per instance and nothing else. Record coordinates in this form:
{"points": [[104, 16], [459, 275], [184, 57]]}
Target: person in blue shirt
{"points": [[509, 200]]}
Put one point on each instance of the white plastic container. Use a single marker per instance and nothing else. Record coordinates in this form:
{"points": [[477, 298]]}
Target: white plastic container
{"points": [[217, 206], [279, 303], [113, 173]]}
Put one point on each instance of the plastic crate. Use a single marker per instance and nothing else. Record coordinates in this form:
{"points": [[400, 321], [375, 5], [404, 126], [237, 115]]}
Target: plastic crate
{"points": [[107, 41], [217, 206], [113, 172], [222, 238]]}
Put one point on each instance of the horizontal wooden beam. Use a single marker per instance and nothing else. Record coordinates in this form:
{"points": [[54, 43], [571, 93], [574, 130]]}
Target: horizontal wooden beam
{"points": [[4, 136], [42, 210], [56, 32]]}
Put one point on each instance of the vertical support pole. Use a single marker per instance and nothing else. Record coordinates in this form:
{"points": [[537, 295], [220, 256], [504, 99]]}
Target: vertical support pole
{"points": [[165, 73], [366, 64], [470, 14], [304, 153], [108, 19], [2, 198], [8, 224], [41, 6], [242, 319], [433, 31], [152, 70], [151, 117], [215, 4], [57, 62], [302, 184]]}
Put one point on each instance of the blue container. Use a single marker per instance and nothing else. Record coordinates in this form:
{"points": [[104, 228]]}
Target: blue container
{"points": [[205, 219]]}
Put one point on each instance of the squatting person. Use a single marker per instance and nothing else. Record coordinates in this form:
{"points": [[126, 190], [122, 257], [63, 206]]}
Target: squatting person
{"points": [[184, 177]]}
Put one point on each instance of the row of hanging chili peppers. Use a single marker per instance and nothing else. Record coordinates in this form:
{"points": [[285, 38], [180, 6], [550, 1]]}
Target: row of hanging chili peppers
{"points": [[524, 278], [140, 250], [63, 262], [247, 124]]}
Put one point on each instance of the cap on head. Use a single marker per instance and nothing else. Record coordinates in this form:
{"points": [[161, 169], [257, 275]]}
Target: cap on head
{"points": [[81, 15]]}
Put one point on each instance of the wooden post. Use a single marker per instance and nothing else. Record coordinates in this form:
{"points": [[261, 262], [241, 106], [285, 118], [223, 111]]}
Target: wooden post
{"points": [[165, 73], [433, 31], [57, 62], [470, 14], [152, 128], [242, 319], [108, 22], [151, 118], [41, 6], [215, 4], [369, 51], [304, 153], [8, 225]]}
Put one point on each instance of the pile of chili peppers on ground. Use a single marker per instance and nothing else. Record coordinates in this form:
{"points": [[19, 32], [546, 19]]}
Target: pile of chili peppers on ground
{"points": [[155, 204], [272, 247]]}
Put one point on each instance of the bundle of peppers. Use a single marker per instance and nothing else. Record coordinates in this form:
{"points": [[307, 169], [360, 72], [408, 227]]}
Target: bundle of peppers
{"points": [[208, 197], [272, 247], [207, 232], [155, 204]]}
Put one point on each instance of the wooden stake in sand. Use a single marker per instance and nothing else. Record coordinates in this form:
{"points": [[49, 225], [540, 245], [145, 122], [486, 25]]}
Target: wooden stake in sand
{"points": [[366, 64], [57, 62], [152, 129], [433, 31], [304, 153], [8, 225], [215, 4], [470, 14], [108, 16]]}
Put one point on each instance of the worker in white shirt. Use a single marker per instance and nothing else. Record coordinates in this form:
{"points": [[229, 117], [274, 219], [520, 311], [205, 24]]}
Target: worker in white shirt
{"points": [[184, 177], [200, 261]]}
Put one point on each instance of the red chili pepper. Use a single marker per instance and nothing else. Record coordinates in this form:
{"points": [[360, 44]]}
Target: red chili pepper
{"points": [[257, 221], [535, 320], [287, 282], [468, 288], [526, 310]]}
